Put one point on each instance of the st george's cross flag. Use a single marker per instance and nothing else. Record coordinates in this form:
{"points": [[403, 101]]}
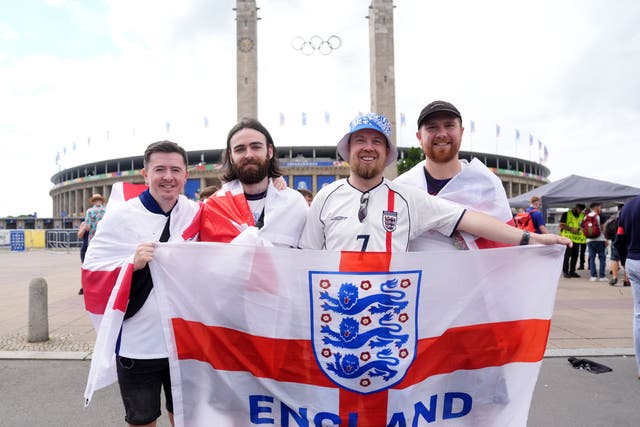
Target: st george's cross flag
{"points": [[475, 187], [103, 267], [106, 282], [261, 335], [107, 270]]}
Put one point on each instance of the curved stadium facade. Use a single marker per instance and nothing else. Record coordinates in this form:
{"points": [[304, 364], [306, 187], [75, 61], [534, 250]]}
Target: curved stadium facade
{"points": [[304, 167]]}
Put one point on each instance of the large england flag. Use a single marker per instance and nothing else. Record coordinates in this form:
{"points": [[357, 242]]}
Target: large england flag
{"points": [[278, 336]]}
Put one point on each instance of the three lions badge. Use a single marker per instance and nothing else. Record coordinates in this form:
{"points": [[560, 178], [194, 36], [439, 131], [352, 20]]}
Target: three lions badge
{"points": [[364, 326]]}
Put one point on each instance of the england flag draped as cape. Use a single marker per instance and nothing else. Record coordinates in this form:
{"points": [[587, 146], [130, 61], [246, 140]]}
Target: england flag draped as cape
{"points": [[260, 335], [108, 268], [226, 213], [476, 188]]}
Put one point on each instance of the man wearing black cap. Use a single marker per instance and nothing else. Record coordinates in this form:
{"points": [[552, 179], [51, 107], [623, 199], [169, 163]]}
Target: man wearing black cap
{"points": [[365, 212], [442, 174]]}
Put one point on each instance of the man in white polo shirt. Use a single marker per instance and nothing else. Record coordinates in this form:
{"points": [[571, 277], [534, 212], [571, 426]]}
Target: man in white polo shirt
{"points": [[366, 212]]}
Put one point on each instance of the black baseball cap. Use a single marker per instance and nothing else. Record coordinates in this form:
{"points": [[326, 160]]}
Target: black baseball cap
{"points": [[436, 107]]}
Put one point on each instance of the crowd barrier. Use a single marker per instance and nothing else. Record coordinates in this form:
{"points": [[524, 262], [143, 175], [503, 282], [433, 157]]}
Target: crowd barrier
{"points": [[19, 240]]}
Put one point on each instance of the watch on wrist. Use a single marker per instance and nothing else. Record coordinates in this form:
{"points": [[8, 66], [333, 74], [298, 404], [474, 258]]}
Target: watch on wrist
{"points": [[525, 238]]}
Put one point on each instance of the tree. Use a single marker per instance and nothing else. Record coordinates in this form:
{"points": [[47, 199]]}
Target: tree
{"points": [[413, 157]]}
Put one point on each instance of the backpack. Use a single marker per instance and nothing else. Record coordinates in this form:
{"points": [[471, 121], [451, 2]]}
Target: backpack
{"points": [[590, 227], [611, 227], [523, 221]]}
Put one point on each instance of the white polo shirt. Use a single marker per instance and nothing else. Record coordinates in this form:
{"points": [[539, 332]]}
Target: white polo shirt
{"points": [[395, 214]]}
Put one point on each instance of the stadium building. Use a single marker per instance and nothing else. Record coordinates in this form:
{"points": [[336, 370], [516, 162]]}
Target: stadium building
{"points": [[305, 167]]}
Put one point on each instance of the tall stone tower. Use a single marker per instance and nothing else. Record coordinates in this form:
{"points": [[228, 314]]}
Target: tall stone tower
{"points": [[382, 68], [247, 58]]}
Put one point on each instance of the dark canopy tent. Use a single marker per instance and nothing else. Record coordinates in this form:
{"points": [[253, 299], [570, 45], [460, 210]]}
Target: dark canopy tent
{"points": [[573, 189]]}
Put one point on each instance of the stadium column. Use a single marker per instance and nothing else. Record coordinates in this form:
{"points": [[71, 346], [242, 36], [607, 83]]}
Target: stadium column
{"points": [[77, 202], [382, 67], [247, 58]]}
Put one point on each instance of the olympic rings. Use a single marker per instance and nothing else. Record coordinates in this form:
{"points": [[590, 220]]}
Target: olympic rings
{"points": [[316, 43]]}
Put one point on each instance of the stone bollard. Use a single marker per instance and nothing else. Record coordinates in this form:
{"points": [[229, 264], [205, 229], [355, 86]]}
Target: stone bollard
{"points": [[38, 311]]}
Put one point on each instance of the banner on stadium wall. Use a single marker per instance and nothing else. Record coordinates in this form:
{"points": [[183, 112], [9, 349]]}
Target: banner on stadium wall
{"points": [[320, 338]]}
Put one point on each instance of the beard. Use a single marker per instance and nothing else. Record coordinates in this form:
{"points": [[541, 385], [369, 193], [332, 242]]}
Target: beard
{"points": [[367, 171], [251, 172], [440, 154]]}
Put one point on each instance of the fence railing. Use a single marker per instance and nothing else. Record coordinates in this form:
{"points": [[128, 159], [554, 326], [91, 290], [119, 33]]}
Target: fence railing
{"points": [[62, 239]]}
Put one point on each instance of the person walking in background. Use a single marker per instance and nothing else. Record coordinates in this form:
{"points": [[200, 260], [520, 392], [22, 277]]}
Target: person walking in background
{"points": [[207, 192], [627, 243], [596, 242], [610, 228], [582, 247], [536, 215], [570, 228], [84, 235], [94, 214], [308, 195], [89, 226]]}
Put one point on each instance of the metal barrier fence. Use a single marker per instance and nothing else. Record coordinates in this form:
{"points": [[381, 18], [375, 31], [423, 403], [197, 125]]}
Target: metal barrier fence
{"points": [[62, 239]]}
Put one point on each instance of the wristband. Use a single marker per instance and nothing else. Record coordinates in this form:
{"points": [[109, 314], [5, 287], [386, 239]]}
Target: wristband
{"points": [[525, 238]]}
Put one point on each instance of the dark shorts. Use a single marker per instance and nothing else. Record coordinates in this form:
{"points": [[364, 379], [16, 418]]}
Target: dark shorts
{"points": [[140, 383], [615, 256]]}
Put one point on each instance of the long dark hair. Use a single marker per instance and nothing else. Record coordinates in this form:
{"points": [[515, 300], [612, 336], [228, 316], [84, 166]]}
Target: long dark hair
{"points": [[274, 170]]}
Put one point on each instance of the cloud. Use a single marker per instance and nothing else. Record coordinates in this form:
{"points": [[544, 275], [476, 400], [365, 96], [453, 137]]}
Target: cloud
{"points": [[6, 32], [562, 71]]}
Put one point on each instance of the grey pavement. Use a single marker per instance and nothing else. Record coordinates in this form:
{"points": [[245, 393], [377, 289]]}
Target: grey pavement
{"points": [[569, 397], [591, 319], [49, 393]]}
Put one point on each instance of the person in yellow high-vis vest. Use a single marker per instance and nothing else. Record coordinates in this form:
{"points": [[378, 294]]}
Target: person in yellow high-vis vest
{"points": [[570, 228]]}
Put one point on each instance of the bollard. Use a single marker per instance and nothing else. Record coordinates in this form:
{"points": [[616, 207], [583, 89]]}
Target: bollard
{"points": [[38, 311]]}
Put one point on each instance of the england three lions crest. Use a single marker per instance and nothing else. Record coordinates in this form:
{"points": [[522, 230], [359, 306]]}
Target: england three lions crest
{"points": [[389, 221], [364, 327]]}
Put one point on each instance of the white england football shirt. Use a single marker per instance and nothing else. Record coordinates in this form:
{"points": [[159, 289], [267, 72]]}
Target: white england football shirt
{"points": [[395, 214]]}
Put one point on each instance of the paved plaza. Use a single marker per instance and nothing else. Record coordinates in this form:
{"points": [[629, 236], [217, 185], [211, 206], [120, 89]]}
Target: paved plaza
{"points": [[591, 319]]}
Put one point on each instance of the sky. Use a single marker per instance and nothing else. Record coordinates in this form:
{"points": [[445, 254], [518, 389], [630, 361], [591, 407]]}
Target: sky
{"points": [[88, 80]]}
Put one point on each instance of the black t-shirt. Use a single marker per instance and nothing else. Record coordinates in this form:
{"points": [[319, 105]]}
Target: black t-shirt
{"points": [[434, 185]]}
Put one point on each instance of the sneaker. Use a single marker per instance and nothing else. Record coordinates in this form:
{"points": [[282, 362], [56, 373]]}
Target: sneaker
{"points": [[81, 291], [593, 279], [613, 281], [626, 283], [603, 279], [574, 274]]}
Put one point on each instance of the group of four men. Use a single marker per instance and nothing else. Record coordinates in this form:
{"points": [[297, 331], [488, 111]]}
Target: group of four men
{"points": [[364, 212]]}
